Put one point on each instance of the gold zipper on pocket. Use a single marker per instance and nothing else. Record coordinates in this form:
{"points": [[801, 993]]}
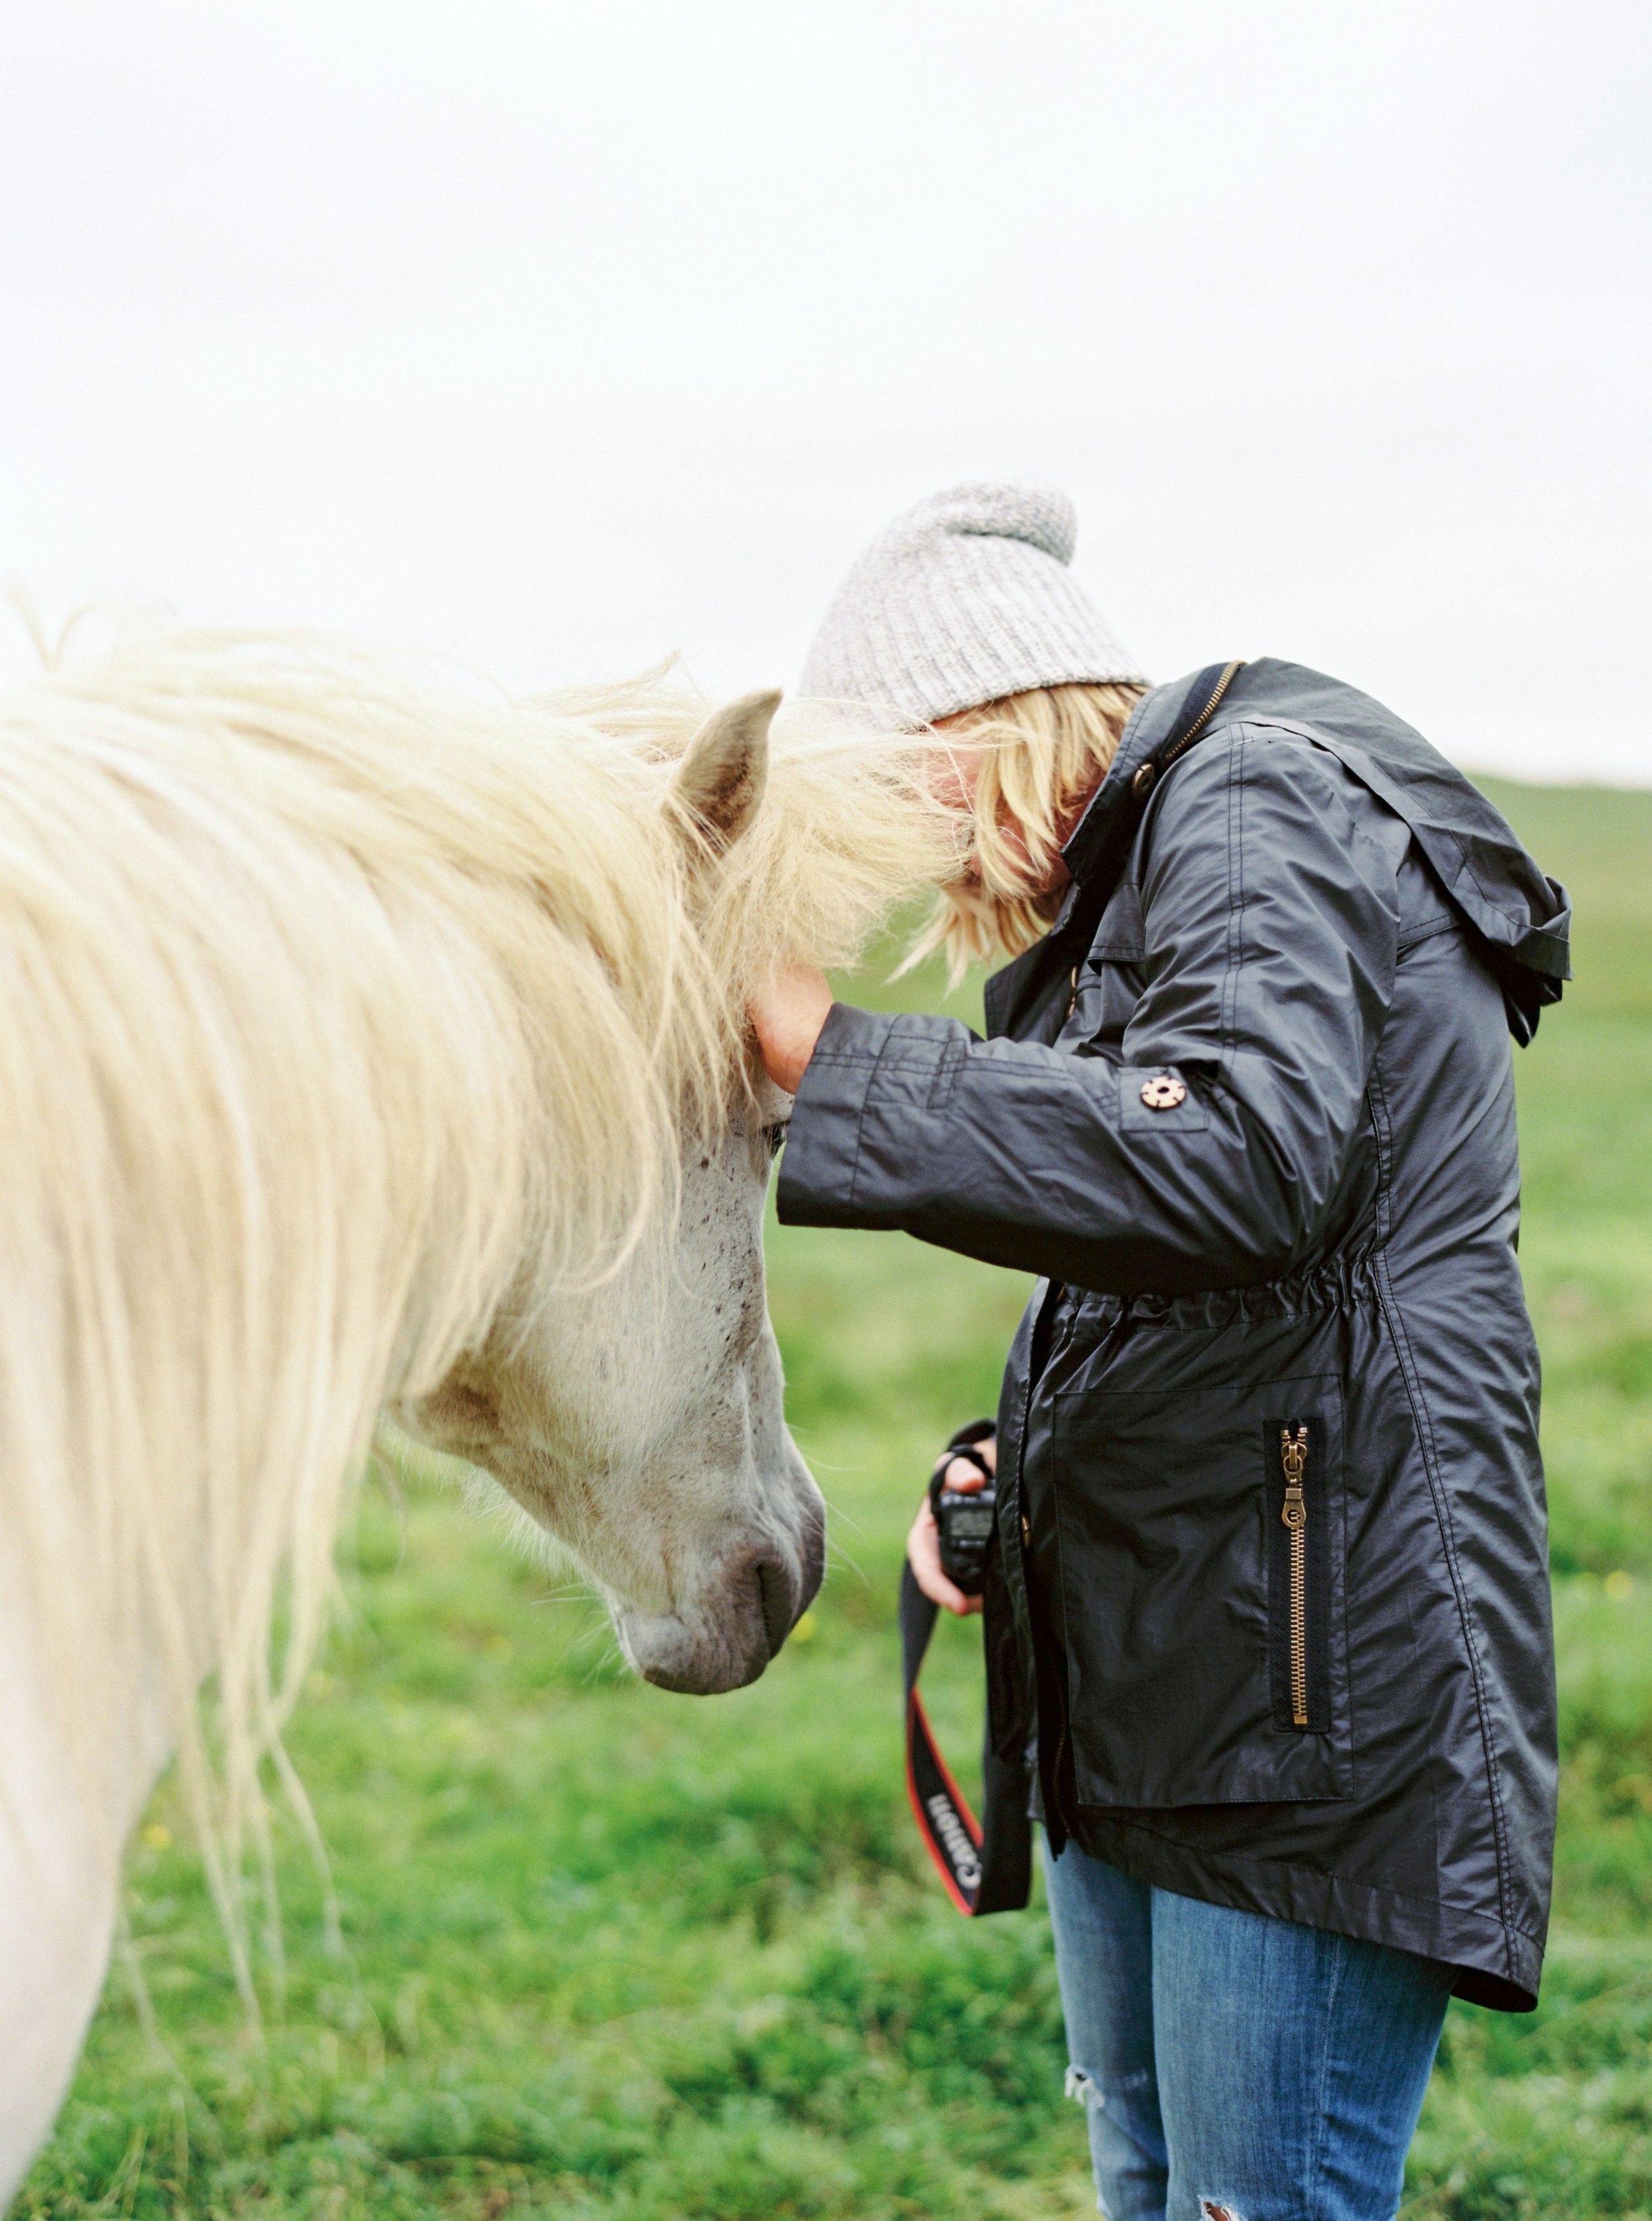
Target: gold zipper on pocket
{"points": [[1293, 1455]]}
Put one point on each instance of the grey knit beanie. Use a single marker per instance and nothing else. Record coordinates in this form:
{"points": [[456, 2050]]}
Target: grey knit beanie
{"points": [[963, 599]]}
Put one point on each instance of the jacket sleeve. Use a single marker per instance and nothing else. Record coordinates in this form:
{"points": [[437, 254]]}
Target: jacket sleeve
{"points": [[1271, 916]]}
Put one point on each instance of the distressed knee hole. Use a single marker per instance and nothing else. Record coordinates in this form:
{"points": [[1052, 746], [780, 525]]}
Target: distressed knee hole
{"points": [[1210, 2210], [1126, 2089]]}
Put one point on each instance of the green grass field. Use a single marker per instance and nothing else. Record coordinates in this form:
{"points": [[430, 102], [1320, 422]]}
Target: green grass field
{"points": [[610, 1952]]}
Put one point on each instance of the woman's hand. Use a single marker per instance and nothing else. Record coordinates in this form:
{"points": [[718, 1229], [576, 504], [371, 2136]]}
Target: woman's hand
{"points": [[923, 1543], [787, 1013]]}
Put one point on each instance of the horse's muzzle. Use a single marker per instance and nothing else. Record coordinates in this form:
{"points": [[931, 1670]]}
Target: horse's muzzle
{"points": [[763, 1594]]}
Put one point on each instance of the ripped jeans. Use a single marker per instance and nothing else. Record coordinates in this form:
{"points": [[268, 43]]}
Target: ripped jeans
{"points": [[1236, 2067]]}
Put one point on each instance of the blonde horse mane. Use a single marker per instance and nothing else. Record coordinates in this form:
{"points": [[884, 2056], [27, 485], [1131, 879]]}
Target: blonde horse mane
{"points": [[342, 1006]]}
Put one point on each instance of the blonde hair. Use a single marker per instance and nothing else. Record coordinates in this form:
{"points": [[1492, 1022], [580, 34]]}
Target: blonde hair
{"points": [[1041, 754], [343, 1010]]}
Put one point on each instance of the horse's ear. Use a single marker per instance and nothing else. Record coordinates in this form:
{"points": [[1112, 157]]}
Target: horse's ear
{"points": [[720, 780]]}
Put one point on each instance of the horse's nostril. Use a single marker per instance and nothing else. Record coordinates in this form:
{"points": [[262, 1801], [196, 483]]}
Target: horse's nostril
{"points": [[774, 1593]]}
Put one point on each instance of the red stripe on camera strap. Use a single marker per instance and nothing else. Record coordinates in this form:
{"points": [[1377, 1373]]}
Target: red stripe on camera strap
{"points": [[951, 1832]]}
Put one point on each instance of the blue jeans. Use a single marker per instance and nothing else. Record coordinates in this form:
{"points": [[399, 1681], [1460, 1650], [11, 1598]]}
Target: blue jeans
{"points": [[1236, 2067]]}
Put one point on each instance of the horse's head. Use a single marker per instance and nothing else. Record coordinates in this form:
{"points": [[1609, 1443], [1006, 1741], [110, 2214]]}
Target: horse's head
{"points": [[641, 1421]]}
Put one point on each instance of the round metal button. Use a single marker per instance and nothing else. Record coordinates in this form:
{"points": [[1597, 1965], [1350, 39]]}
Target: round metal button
{"points": [[1142, 782], [1163, 1093]]}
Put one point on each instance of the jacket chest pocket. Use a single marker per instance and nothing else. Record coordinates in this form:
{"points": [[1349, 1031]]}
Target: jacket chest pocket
{"points": [[1107, 985], [1104, 995], [1202, 1550]]}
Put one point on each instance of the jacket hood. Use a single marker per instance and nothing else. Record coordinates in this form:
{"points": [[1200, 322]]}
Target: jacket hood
{"points": [[1522, 915]]}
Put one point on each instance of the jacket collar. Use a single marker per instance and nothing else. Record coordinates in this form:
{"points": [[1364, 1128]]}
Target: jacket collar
{"points": [[1162, 724], [1113, 804]]}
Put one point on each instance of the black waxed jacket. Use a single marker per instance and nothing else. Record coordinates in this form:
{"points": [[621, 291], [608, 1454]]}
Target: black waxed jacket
{"points": [[1271, 1503]]}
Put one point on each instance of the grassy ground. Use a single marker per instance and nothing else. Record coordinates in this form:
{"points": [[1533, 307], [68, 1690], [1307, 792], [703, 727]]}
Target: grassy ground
{"points": [[611, 1953]]}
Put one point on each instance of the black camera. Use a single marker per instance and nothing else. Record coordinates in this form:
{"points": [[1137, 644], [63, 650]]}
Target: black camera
{"points": [[967, 1521]]}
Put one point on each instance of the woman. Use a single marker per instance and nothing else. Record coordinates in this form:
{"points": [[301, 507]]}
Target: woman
{"points": [[1271, 1506]]}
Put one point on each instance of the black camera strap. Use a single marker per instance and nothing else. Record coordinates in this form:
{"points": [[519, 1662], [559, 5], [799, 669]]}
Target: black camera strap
{"points": [[986, 1865], [950, 1830]]}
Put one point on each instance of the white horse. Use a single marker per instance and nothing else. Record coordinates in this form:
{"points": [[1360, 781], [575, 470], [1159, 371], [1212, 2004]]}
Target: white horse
{"points": [[367, 1046]]}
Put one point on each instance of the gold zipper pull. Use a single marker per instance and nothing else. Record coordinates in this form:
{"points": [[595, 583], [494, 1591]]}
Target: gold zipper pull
{"points": [[1294, 1456]]}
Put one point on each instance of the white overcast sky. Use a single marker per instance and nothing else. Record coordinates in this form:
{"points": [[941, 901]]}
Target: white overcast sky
{"points": [[558, 336]]}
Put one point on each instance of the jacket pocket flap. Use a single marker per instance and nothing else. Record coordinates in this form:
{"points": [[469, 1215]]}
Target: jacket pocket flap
{"points": [[1119, 938]]}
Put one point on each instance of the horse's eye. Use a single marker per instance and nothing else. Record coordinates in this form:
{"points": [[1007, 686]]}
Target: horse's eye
{"points": [[774, 1137]]}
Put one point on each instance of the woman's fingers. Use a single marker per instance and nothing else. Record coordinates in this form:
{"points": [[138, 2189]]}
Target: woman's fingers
{"points": [[787, 1013], [964, 1475], [923, 1555]]}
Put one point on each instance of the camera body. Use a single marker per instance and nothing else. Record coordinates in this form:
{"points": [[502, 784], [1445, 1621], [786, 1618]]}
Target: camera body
{"points": [[966, 1521]]}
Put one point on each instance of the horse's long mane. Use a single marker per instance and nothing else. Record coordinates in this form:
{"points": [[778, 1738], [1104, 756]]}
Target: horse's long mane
{"points": [[339, 1000]]}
